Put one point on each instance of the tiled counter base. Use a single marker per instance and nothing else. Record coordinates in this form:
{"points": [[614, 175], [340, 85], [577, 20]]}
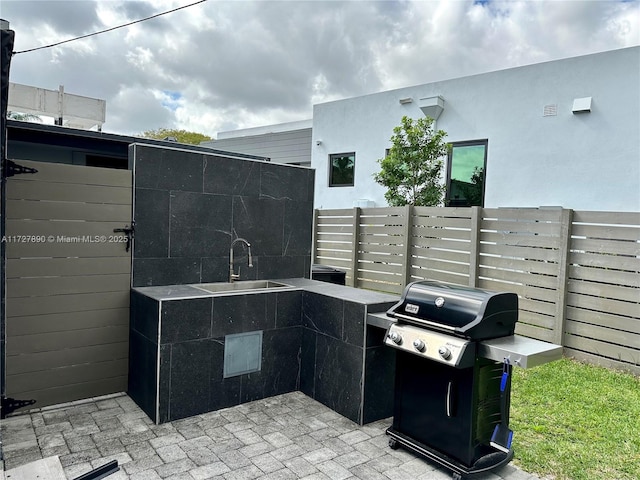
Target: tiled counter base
{"points": [[314, 338], [284, 437]]}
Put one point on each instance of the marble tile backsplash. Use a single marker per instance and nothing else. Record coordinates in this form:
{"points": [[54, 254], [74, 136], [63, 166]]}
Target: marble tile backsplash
{"points": [[189, 206]]}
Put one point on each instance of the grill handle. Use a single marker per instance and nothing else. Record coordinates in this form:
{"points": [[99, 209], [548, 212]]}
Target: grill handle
{"points": [[451, 392]]}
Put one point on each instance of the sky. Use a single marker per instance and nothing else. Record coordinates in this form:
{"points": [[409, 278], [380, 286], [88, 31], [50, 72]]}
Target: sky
{"points": [[224, 65]]}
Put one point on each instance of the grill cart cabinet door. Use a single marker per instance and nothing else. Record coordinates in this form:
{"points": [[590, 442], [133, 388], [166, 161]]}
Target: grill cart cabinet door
{"points": [[451, 410]]}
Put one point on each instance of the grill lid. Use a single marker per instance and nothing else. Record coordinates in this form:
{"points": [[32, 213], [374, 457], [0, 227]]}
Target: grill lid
{"points": [[468, 312]]}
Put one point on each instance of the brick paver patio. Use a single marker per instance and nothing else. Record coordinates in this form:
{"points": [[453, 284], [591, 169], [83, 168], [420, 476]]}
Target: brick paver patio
{"points": [[285, 437]]}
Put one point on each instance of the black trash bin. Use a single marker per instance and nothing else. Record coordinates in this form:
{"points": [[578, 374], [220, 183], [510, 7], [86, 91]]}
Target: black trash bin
{"points": [[328, 274]]}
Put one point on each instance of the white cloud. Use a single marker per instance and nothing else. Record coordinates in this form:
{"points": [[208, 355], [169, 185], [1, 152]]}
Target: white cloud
{"points": [[242, 64], [135, 109]]}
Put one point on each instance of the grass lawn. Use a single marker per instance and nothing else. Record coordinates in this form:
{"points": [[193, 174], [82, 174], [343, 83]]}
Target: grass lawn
{"points": [[576, 421]]}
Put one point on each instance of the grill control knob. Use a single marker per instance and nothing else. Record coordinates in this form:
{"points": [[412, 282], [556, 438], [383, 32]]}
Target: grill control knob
{"points": [[419, 345], [444, 352], [395, 338]]}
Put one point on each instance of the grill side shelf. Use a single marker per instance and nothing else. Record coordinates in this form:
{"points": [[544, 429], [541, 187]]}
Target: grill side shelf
{"points": [[521, 351]]}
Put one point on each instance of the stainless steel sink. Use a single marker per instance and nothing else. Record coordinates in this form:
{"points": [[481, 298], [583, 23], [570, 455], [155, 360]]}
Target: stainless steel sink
{"points": [[241, 286]]}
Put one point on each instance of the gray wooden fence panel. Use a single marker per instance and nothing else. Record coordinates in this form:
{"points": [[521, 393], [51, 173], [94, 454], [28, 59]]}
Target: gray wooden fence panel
{"points": [[526, 230], [334, 240], [63, 322], [30, 190], [67, 292], [82, 302], [32, 267], [61, 360], [441, 247], [381, 248], [603, 299], [577, 274]]}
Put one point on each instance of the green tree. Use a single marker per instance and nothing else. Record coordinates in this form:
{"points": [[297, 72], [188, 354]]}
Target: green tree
{"points": [[24, 117], [412, 169], [181, 136]]}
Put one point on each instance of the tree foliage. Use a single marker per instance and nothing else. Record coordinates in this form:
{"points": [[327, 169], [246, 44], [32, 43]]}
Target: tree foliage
{"points": [[23, 117], [412, 171], [181, 136]]}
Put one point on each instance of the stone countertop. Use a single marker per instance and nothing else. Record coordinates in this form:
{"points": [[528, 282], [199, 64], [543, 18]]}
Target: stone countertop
{"points": [[357, 295], [172, 292]]}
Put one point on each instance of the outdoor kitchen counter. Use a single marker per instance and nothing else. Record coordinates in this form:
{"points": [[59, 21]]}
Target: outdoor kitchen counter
{"points": [[179, 335]]}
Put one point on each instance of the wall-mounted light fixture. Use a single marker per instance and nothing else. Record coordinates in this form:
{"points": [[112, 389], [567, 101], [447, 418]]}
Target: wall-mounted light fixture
{"points": [[404, 101], [581, 105], [432, 106], [318, 142]]}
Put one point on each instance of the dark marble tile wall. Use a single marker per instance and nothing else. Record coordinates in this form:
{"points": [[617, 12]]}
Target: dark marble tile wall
{"points": [[143, 352], [345, 364], [379, 377], [338, 376], [192, 351], [332, 346], [190, 206], [280, 368]]}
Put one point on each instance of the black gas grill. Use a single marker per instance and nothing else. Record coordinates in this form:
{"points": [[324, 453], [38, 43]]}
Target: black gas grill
{"points": [[450, 402]]}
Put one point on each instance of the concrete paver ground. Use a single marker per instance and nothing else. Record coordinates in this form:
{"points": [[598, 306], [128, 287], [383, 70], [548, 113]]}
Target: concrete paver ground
{"points": [[289, 436]]}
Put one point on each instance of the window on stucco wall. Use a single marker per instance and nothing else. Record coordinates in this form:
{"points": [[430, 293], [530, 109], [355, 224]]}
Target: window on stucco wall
{"points": [[466, 171], [342, 169]]}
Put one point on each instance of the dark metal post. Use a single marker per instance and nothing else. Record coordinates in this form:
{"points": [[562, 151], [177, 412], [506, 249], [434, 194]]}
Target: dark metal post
{"points": [[5, 62]]}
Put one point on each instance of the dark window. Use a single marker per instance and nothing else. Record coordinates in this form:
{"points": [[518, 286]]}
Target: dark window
{"points": [[341, 169], [466, 170], [106, 162]]}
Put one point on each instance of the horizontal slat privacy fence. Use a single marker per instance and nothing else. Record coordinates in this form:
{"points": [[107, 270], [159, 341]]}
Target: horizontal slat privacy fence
{"points": [[603, 287], [522, 251], [577, 274], [67, 287]]}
